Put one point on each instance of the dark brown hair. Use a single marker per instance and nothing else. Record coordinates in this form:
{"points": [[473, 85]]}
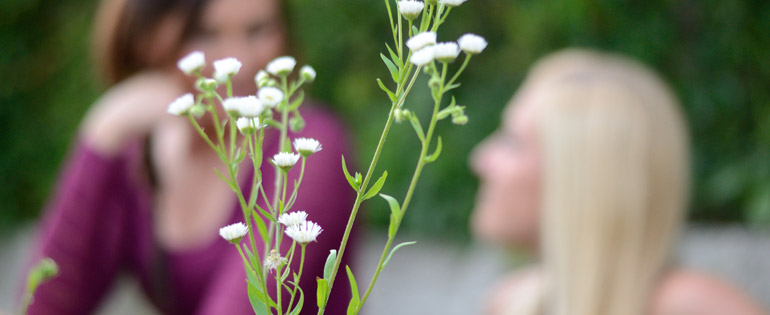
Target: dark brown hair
{"points": [[121, 25]]}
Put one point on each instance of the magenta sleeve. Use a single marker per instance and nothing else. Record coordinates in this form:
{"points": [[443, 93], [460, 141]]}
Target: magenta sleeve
{"points": [[81, 231]]}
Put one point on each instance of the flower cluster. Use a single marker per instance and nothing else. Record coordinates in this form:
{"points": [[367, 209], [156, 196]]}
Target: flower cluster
{"points": [[425, 49], [299, 228], [250, 112]]}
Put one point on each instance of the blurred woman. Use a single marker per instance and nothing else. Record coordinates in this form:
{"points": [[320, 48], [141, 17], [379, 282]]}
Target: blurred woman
{"points": [[139, 194], [590, 172]]}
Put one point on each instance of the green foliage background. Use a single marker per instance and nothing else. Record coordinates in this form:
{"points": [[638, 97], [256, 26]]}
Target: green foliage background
{"points": [[714, 53]]}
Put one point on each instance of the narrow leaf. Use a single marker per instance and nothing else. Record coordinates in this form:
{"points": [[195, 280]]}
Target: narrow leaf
{"points": [[417, 127], [300, 302], [391, 67], [297, 100], [350, 179], [330, 260], [355, 300], [377, 186], [384, 88], [392, 251], [323, 286], [432, 158], [395, 211], [394, 57]]}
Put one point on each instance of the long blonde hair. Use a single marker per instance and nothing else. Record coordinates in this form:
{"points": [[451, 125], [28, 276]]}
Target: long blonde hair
{"points": [[616, 176]]}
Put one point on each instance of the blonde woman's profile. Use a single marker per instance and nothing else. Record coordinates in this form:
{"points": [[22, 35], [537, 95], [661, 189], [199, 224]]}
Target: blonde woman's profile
{"points": [[590, 172]]}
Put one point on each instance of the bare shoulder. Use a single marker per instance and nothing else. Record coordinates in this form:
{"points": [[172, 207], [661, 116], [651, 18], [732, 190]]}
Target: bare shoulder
{"points": [[520, 283], [686, 291]]}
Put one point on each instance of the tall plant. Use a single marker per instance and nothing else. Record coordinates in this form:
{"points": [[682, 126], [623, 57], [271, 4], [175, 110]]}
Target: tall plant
{"points": [[415, 50]]}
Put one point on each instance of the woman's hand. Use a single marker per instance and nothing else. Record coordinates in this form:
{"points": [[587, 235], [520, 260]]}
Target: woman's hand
{"points": [[130, 109]]}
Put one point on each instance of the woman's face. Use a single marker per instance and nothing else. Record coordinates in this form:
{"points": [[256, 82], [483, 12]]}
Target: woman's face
{"points": [[508, 166], [252, 31]]}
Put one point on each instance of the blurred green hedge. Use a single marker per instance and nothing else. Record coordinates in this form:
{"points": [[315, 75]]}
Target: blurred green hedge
{"points": [[714, 53]]}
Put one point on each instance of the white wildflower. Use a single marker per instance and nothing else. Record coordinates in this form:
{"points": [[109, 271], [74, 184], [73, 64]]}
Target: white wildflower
{"points": [[261, 78], [472, 44], [248, 125], [307, 146], [410, 9], [181, 105], [421, 40], [293, 219], [193, 62], [270, 96], [308, 73], [423, 56], [226, 68], [282, 65], [246, 106], [285, 160], [304, 233], [452, 3], [274, 260], [446, 52], [233, 233]]}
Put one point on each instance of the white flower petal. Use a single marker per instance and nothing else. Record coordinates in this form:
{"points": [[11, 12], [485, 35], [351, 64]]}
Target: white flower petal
{"points": [[307, 146], [421, 40], [304, 233], [270, 96], [233, 233], [293, 219], [410, 9], [452, 3], [446, 52], [192, 62], [226, 68], [472, 43], [282, 65], [285, 160], [308, 73], [423, 56], [181, 105]]}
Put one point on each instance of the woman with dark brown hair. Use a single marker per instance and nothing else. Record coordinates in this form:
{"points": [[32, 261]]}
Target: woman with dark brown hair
{"points": [[138, 193]]}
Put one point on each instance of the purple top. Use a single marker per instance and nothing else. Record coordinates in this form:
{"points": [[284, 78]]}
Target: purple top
{"points": [[100, 222]]}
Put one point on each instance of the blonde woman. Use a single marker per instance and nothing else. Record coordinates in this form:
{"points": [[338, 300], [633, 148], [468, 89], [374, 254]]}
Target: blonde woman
{"points": [[589, 171]]}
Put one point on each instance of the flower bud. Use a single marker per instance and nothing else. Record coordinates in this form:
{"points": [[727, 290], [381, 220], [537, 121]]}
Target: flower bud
{"points": [[307, 73], [401, 115], [296, 123], [261, 78], [205, 84], [459, 119], [410, 9], [198, 111]]}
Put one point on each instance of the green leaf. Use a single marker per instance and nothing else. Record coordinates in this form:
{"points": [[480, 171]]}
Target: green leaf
{"points": [[417, 127], [432, 158], [384, 88], [391, 67], [300, 302], [261, 226], [330, 260], [297, 100], [452, 87], [350, 179], [355, 300], [394, 250], [394, 57], [321, 293], [395, 212], [377, 186]]}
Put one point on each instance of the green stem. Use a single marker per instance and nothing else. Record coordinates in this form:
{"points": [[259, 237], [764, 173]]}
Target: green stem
{"points": [[357, 204], [410, 191], [299, 275]]}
